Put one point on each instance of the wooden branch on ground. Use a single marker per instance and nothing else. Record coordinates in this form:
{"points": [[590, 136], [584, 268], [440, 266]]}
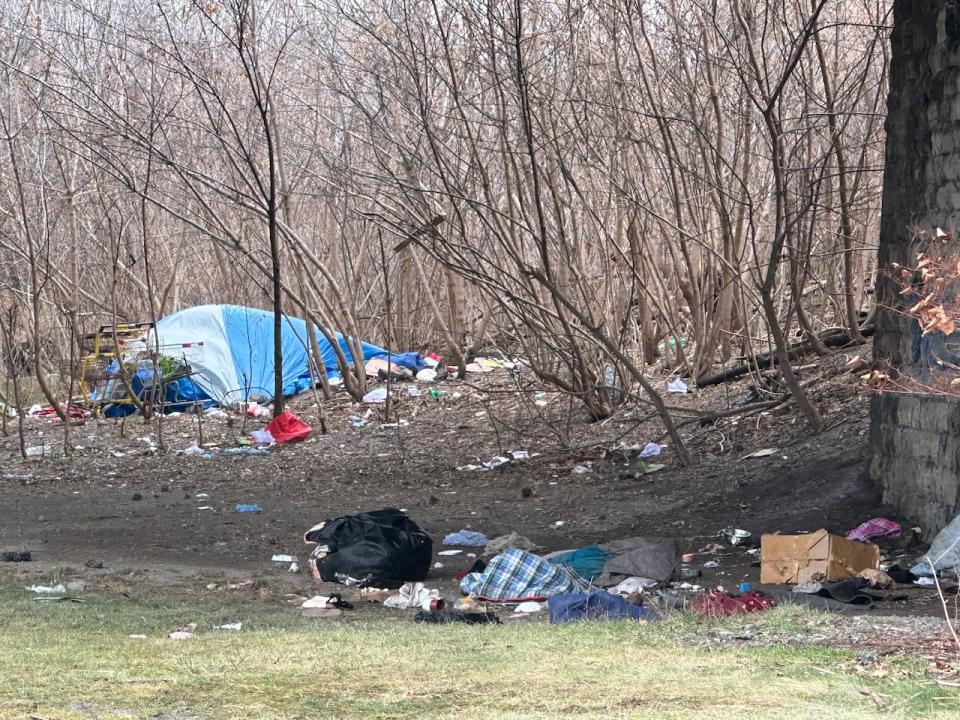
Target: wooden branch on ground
{"points": [[762, 361]]}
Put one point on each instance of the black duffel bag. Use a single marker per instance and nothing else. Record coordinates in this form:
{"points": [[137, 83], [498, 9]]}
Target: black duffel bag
{"points": [[383, 549]]}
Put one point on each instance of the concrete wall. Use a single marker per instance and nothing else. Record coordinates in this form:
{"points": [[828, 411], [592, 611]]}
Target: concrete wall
{"points": [[916, 453]]}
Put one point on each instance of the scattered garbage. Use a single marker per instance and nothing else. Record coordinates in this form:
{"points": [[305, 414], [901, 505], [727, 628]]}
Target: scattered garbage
{"points": [[852, 591], [184, 633], [426, 375], [38, 451], [944, 551], [74, 412], [497, 461], [529, 607], [677, 386], [925, 581], [877, 527], [46, 589], [384, 549], [762, 453], [256, 410], [449, 552], [413, 391], [817, 556], [216, 413], [710, 564], [137, 637], [466, 538], [580, 470], [651, 449], [358, 422], [412, 595], [326, 601], [262, 437], [736, 536], [633, 585], [16, 556], [234, 627], [877, 579], [513, 540], [596, 606], [717, 603], [287, 427], [247, 508], [196, 451], [377, 395]]}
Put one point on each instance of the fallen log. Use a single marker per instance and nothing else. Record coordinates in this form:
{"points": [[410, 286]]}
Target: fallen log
{"points": [[762, 361]]}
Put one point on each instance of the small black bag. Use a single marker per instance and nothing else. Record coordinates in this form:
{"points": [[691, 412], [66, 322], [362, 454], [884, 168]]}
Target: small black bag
{"points": [[383, 549]]}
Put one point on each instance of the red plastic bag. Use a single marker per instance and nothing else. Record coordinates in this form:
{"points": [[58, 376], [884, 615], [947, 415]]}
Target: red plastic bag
{"points": [[287, 427]]}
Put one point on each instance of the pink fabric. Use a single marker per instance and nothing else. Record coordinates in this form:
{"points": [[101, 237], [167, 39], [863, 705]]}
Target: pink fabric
{"points": [[878, 527], [717, 604]]}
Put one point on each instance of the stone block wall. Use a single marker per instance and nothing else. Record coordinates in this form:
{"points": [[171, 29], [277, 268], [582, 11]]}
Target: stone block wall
{"points": [[916, 455], [916, 439]]}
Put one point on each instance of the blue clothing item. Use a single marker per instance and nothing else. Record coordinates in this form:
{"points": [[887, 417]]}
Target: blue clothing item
{"points": [[587, 562], [467, 538], [595, 606], [519, 574]]}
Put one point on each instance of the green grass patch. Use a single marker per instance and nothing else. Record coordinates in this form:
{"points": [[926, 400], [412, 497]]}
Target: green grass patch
{"points": [[71, 661]]}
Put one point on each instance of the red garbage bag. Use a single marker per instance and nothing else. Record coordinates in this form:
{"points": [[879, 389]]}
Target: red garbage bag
{"points": [[720, 604], [287, 427]]}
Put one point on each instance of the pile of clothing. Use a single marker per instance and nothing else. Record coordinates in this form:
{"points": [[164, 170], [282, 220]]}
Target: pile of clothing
{"points": [[576, 582]]}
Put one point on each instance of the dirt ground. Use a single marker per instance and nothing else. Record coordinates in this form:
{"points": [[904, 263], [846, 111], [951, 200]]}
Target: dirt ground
{"points": [[170, 518]]}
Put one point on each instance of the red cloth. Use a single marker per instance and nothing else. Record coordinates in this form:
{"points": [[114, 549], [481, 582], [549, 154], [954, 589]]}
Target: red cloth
{"points": [[878, 527], [287, 427], [72, 411], [720, 604]]}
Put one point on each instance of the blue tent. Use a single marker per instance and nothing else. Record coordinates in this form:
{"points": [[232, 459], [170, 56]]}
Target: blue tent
{"points": [[230, 351]]}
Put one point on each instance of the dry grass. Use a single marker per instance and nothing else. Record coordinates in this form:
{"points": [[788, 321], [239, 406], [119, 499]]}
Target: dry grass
{"points": [[70, 661]]}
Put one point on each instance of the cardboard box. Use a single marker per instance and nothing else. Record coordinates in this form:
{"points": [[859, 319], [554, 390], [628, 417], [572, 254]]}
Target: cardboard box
{"points": [[818, 556]]}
